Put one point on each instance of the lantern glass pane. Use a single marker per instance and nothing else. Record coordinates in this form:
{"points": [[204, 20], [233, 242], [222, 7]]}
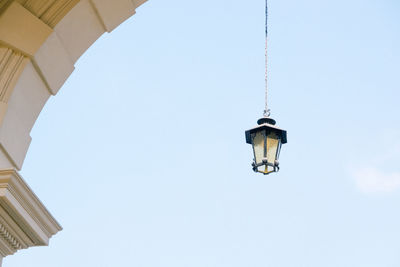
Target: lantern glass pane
{"points": [[262, 168], [272, 147], [258, 146]]}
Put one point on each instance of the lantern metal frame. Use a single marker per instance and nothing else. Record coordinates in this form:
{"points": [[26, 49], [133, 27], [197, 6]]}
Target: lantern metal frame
{"points": [[268, 125]]}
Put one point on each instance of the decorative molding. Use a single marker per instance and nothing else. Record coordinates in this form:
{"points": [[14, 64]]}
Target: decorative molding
{"points": [[49, 11], [79, 29], [57, 11], [10, 239], [36, 7], [53, 63], [11, 66], [21, 30], [24, 220], [112, 14]]}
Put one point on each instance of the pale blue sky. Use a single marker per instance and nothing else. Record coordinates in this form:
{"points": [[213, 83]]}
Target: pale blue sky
{"points": [[142, 159]]}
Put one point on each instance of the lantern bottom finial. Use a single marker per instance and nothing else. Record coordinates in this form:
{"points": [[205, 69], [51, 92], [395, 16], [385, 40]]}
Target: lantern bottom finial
{"points": [[265, 167]]}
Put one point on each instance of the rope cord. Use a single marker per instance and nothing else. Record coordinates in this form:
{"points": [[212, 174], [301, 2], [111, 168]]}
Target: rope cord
{"points": [[267, 112]]}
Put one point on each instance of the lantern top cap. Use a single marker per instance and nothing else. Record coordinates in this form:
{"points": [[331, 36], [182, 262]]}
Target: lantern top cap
{"points": [[269, 125], [266, 120]]}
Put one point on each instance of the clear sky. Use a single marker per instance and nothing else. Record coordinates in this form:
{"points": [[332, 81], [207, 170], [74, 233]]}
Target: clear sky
{"points": [[142, 158]]}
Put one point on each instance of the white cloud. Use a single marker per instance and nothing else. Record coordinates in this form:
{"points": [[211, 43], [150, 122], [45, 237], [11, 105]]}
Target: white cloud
{"points": [[373, 162], [372, 180]]}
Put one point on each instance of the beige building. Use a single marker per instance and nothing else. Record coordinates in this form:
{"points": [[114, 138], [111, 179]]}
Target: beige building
{"points": [[40, 40]]}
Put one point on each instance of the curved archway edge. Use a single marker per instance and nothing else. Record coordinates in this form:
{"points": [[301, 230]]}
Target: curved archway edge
{"points": [[40, 41]]}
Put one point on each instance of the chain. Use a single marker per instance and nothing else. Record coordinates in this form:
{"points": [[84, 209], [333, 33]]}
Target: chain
{"points": [[267, 111]]}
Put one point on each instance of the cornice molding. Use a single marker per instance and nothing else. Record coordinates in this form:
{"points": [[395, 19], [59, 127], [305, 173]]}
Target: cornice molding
{"points": [[23, 213]]}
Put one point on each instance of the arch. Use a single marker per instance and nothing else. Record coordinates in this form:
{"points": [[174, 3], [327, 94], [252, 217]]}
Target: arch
{"points": [[40, 41]]}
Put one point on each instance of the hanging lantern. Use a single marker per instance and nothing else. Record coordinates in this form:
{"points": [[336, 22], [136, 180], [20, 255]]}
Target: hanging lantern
{"points": [[266, 140]]}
